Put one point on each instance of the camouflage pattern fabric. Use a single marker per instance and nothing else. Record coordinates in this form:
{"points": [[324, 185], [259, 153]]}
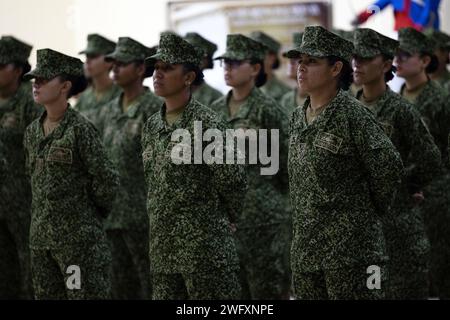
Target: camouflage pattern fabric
{"points": [[240, 47], [73, 186], [205, 94], [129, 243], [433, 106], [414, 41], [343, 175], [407, 244], [275, 88], [185, 237], [265, 209], [369, 43], [13, 50], [91, 107], [272, 44], [128, 50], [51, 63], [319, 42], [198, 41], [175, 50], [15, 115], [98, 45]]}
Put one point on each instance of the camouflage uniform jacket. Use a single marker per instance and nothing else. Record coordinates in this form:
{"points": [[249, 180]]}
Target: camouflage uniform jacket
{"points": [[91, 108], [264, 204], [275, 88], [15, 116], [190, 206], [420, 156], [122, 140], [72, 180], [206, 95], [343, 175], [434, 107]]}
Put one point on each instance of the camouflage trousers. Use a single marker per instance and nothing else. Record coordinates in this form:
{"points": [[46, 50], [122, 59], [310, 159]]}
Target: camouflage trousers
{"points": [[52, 276], [347, 283], [15, 273], [265, 272], [436, 211], [206, 285], [130, 277]]}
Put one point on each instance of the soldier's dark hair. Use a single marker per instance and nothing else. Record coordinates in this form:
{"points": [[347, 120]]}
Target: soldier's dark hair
{"points": [[261, 78], [79, 84], [148, 68], [26, 67], [388, 76], [434, 62], [346, 75], [210, 62], [189, 67]]}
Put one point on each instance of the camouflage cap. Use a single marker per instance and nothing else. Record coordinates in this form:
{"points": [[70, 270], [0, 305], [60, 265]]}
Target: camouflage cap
{"points": [[265, 39], [13, 50], [128, 50], [240, 47], [296, 40], [319, 42], [439, 38], [51, 63], [98, 44], [174, 49], [413, 41], [369, 43], [347, 35], [198, 41]]}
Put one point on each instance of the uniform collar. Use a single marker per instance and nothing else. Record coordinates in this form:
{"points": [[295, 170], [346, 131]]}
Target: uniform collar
{"points": [[323, 118], [59, 130], [179, 123]]}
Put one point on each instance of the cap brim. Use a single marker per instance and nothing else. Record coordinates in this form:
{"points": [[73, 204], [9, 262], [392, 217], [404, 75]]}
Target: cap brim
{"points": [[33, 74], [231, 56], [119, 57], [295, 53]]}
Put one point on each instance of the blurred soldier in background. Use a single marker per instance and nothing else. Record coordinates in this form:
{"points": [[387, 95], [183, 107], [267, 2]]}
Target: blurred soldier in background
{"points": [[122, 121], [203, 92], [273, 87], [96, 69], [441, 42], [404, 230], [261, 234], [17, 111], [293, 98], [414, 60]]}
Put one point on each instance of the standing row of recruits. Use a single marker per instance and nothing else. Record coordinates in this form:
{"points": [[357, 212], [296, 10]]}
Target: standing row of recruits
{"points": [[361, 181]]}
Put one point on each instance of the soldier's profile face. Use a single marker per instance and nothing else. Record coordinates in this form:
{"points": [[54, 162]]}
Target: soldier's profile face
{"points": [[367, 70], [8, 74], [168, 79], [238, 72], [408, 65], [46, 91], [125, 73], [292, 69], [96, 65], [313, 73]]}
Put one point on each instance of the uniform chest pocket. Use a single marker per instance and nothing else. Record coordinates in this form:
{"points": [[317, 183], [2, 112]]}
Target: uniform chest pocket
{"points": [[60, 155], [328, 141]]}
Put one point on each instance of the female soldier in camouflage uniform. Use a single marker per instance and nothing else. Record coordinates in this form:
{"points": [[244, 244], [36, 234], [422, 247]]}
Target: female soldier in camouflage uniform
{"points": [[203, 92], [17, 111], [343, 173], [293, 98], [414, 60], [73, 186], [406, 241], [102, 89], [273, 87], [190, 206], [261, 231], [122, 121]]}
